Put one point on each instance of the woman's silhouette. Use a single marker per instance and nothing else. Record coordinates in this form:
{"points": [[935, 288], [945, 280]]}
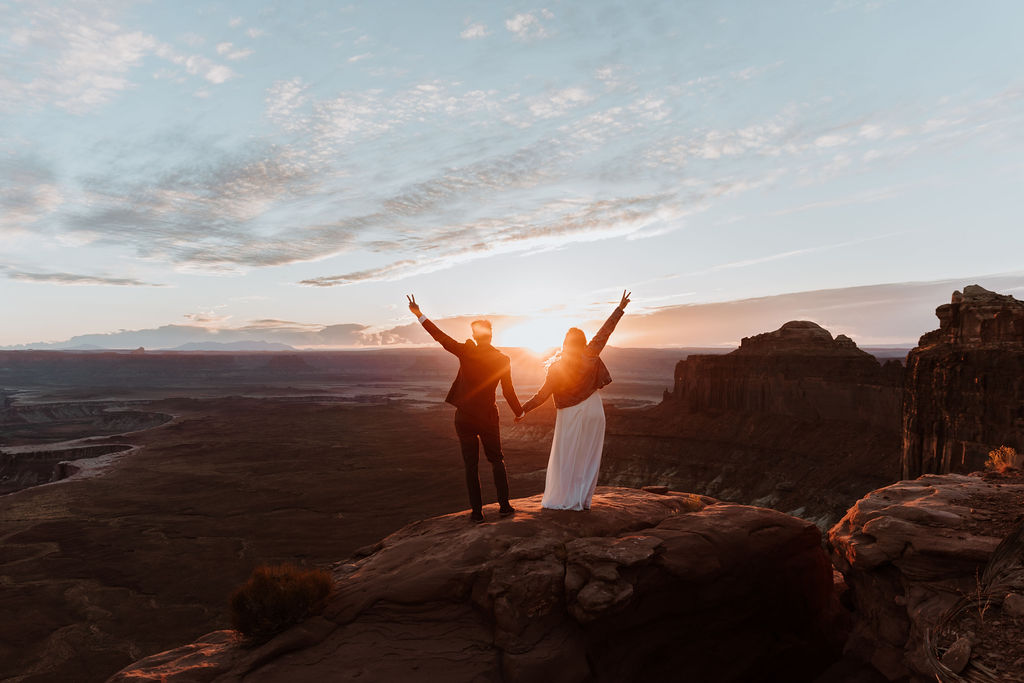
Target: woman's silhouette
{"points": [[574, 378]]}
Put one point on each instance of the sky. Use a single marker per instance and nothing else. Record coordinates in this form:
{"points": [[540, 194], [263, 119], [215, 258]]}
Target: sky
{"points": [[291, 170]]}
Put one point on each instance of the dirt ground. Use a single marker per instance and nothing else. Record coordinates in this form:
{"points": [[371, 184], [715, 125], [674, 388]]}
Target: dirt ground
{"points": [[96, 573]]}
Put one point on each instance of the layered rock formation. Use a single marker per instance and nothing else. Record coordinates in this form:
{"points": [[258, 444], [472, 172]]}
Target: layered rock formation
{"points": [[24, 468], [643, 587], [964, 392], [912, 553], [794, 419], [797, 371]]}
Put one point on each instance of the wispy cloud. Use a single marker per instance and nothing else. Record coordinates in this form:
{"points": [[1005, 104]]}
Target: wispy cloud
{"points": [[74, 279], [380, 273], [89, 57], [746, 263], [474, 31], [29, 191], [529, 25], [229, 51]]}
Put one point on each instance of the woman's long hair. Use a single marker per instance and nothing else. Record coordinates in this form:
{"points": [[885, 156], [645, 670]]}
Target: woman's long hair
{"points": [[572, 348]]}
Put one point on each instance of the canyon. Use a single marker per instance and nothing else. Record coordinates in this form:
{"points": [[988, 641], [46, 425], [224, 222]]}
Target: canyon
{"points": [[793, 419], [764, 468]]}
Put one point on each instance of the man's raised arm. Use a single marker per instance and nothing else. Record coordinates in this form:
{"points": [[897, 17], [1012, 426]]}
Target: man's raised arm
{"points": [[433, 330]]}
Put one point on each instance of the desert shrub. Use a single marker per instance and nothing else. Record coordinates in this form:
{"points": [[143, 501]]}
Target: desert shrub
{"points": [[1004, 458], [276, 597]]}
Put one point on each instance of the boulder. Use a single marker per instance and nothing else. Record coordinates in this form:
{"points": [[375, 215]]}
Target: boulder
{"points": [[644, 586], [913, 555]]}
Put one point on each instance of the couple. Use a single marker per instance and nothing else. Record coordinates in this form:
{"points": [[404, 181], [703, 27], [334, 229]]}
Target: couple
{"points": [[574, 376]]}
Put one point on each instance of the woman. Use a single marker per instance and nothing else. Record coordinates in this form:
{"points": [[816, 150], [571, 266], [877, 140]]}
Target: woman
{"points": [[574, 378]]}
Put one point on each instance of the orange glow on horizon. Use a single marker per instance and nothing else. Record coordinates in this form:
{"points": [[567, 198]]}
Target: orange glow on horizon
{"points": [[537, 335]]}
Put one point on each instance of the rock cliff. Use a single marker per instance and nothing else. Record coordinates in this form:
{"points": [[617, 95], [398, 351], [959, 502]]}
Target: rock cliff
{"points": [[794, 419], [964, 391], [642, 587], [797, 371], [919, 559]]}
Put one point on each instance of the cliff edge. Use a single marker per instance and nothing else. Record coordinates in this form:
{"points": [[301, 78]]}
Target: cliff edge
{"points": [[932, 561], [642, 587], [964, 389]]}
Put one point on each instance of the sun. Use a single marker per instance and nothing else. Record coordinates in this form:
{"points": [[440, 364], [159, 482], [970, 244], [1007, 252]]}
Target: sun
{"points": [[537, 335]]}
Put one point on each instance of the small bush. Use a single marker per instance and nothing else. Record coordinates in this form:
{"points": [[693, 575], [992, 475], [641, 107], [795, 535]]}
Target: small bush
{"points": [[1004, 458], [277, 597]]}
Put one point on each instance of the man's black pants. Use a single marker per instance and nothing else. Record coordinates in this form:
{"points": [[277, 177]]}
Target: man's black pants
{"points": [[481, 429]]}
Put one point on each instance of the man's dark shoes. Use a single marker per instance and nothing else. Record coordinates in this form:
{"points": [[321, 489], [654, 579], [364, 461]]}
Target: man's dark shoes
{"points": [[506, 510], [476, 517]]}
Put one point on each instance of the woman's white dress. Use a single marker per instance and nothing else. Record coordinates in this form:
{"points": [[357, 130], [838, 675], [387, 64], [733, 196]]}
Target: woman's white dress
{"points": [[575, 455]]}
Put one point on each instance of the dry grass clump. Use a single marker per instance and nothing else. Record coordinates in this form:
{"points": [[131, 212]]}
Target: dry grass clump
{"points": [[693, 503], [277, 597], [1004, 458]]}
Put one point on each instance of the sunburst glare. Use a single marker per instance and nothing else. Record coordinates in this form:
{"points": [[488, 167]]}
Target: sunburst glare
{"points": [[537, 335]]}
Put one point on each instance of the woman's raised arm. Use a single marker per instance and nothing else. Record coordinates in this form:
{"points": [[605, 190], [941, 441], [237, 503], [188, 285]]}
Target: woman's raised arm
{"points": [[597, 344]]}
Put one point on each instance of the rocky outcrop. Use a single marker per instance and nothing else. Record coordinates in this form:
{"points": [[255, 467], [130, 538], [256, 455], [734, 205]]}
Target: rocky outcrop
{"points": [[22, 468], [911, 554], [642, 587], [59, 421], [797, 371], [794, 419], [964, 391]]}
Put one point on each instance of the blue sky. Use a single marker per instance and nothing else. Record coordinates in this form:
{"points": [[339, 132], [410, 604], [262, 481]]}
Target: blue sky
{"points": [[264, 166]]}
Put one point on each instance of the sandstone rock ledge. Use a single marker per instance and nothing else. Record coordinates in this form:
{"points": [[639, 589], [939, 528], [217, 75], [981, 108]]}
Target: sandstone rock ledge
{"points": [[643, 587], [910, 552]]}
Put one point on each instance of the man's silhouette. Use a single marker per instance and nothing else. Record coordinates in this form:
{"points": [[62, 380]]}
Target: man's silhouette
{"points": [[481, 367]]}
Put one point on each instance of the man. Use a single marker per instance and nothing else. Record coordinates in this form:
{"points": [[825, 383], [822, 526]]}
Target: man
{"points": [[481, 367]]}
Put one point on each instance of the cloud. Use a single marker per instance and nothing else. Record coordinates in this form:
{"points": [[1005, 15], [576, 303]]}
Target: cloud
{"points": [[29, 191], [559, 103], [893, 314], [78, 57], [229, 51], [89, 57], [255, 32], [474, 32], [73, 279], [830, 140], [885, 314], [528, 26], [360, 57], [209, 329], [752, 72], [550, 226], [359, 275], [207, 318], [196, 65], [283, 99], [211, 213]]}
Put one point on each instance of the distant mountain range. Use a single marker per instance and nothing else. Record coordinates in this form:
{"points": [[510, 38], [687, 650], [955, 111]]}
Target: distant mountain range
{"points": [[888, 315], [255, 345]]}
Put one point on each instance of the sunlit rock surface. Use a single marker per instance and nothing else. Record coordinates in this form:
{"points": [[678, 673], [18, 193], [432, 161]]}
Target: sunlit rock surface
{"points": [[910, 551], [643, 587]]}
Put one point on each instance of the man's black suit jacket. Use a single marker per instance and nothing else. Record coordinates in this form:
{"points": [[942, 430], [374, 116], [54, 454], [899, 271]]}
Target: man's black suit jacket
{"points": [[480, 370]]}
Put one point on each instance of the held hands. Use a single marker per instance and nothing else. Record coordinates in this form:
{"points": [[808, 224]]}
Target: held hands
{"points": [[625, 299], [413, 306], [520, 418]]}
